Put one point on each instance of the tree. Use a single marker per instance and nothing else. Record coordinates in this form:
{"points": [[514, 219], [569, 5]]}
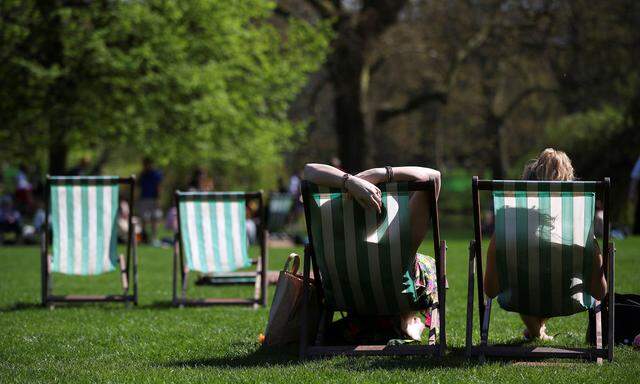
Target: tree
{"points": [[357, 28], [187, 82]]}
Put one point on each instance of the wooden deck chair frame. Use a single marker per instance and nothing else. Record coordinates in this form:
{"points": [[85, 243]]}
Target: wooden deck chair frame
{"points": [[260, 283], [606, 307], [319, 349], [130, 263]]}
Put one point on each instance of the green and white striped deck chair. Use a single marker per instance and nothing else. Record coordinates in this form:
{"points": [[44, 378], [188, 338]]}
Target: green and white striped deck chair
{"points": [[81, 213], [544, 247], [212, 240], [362, 257], [280, 205]]}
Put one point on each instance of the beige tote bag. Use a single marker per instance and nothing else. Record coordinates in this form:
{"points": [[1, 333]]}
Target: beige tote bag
{"points": [[285, 316]]}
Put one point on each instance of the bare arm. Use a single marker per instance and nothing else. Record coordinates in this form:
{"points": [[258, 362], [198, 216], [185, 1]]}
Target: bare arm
{"points": [[598, 281], [323, 174], [379, 175], [367, 194]]}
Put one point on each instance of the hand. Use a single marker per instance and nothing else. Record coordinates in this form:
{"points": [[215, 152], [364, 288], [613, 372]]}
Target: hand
{"points": [[365, 193], [373, 175]]}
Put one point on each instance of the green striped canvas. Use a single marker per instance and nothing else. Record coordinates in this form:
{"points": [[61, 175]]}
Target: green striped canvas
{"points": [[545, 246], [362, 256], [213, 231], [83, 221]]}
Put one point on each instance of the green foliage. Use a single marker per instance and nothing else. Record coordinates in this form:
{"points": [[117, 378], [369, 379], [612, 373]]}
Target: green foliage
{"points": [[601, 143], [188, 82], [587, 128]]}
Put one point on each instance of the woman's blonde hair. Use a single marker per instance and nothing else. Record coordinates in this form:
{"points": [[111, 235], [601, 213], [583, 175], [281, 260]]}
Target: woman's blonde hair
{"points": [[550, 165]]}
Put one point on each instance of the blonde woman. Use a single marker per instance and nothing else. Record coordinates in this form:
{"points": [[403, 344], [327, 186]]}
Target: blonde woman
{"points": [[551, 165]]}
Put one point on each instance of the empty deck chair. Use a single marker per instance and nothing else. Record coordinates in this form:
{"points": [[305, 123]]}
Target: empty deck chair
{"points": [[81, 212], [212, 239], [359, 260], [544, 237]]}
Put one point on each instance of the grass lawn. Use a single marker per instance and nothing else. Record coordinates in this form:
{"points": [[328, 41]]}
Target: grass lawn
{"points": [[156, 343]]}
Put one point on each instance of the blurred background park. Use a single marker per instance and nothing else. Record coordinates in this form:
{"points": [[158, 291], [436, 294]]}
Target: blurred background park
{"points": [[239, 95]]}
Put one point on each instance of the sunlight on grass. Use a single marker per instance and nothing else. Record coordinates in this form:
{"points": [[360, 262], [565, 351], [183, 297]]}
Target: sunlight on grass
{"points": [[156, 343]]}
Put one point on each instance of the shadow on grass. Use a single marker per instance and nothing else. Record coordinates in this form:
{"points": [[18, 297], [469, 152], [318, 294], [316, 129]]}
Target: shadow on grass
{"points": [[158, 304], [21, 306], [260, 358], [288, 356]]}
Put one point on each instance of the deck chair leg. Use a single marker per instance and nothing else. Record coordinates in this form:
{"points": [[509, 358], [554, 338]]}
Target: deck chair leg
{"points": [[257, 291], [183, 274], [304, 321], [44, 269], [470, 292], [598, 330], [264, 257], [610, 311], [174, 279], [484, 331], [442, 302], [135, 270], [48, 283], [326, 318]]}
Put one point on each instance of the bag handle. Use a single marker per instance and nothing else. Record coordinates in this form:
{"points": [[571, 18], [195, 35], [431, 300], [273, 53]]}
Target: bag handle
{"points": [[296, 263]]}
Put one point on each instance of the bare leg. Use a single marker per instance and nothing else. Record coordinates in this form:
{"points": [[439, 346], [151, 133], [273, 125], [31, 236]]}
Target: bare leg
{"points": [[535, 327]]}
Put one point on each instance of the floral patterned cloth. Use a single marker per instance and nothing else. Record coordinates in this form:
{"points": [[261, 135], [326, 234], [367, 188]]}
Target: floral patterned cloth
{"points": [[421, 281]]}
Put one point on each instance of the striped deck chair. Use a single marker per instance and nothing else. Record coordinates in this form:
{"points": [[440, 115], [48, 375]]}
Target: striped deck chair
{"points": [[544, 238], [81, 212], [359, 259], [212, 239], [278, 211]]}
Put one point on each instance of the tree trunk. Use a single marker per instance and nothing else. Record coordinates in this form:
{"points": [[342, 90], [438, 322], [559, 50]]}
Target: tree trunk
{"points": [[356, 34], [58, 150], [498, 153], [352, 143], [346, 66]]}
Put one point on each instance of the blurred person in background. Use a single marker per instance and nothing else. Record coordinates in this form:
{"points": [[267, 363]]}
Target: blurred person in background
{"points": [[201, 181], [634, 196], [282, 187], [124, 212], [10, 219], [82, 168], [252, 221], [150, 179], [24, 191]]}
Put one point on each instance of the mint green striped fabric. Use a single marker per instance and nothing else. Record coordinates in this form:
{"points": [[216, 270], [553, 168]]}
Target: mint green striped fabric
{"points": [[545, 246], [213, 232], [83, 221], [362, 256]]}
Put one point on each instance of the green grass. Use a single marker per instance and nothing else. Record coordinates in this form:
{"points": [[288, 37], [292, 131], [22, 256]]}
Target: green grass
{"points": [[156, 343]]}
